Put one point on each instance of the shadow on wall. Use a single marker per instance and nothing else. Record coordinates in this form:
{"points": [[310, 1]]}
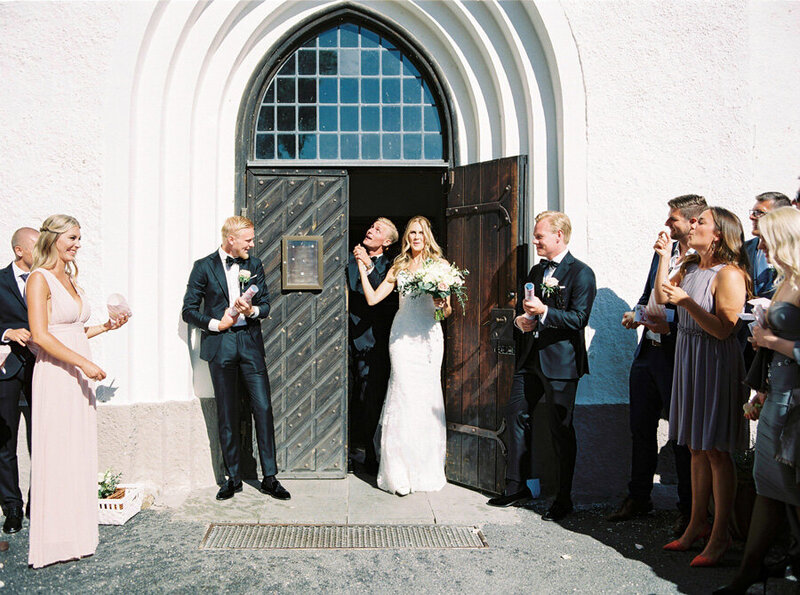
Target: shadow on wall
{"points": [[204, 391], [601, 417], [601, 412], [610, 353]]}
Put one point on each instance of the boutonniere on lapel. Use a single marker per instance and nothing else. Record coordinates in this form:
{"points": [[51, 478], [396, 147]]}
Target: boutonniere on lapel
{"points": [[244, 279], [550, 288]]}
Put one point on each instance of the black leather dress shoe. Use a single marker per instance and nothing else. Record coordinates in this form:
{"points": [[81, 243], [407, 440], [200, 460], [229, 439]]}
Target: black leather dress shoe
{"points": [[13, 520], [680, 524], [509, 499], [228, 489], [630, 509], [557, 511], [273, 487]]}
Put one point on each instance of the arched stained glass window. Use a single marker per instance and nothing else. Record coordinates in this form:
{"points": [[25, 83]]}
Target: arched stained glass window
{"points": [[349, 94]]}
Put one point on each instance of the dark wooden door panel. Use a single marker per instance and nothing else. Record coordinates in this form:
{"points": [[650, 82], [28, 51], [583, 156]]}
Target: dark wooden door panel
{"points": [[485, 234], [305, 335]]}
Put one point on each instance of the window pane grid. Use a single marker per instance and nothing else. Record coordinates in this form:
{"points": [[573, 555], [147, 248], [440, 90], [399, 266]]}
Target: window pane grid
{"points": [[348, 94]]}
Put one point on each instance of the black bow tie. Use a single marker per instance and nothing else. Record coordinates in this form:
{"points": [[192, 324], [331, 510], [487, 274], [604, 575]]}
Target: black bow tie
{"points": [[548, 263], [24, 277], [230, 261]]}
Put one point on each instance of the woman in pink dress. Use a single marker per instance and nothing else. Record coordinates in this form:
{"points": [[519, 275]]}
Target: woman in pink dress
{"points": [[63, 522]]}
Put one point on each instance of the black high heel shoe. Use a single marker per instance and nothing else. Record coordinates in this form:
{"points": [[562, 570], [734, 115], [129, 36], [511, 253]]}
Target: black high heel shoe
{"points": [[737, 588]]}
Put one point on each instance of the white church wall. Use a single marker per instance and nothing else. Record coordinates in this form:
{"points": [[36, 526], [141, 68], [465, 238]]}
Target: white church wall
{"points": [[124, 114], [671, 109], [55, 60]]}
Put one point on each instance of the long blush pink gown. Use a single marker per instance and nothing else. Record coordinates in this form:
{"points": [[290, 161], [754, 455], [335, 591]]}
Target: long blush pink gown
{"points": [[64, 436]]}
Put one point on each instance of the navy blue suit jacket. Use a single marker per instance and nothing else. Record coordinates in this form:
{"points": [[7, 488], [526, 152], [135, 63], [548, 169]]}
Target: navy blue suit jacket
{"points": [[208, 285], [667, 341], [763, 277], [13, 314], [369, 324], [561, 344]]}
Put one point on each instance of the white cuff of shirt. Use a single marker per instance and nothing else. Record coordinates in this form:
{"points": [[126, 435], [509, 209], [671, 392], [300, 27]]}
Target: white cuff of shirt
{"points": [[254, 313], [543, 315], [3, 339], [213, 325]]}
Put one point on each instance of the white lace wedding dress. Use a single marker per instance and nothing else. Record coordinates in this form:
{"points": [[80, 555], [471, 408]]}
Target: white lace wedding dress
{"points": [[412, 430]]}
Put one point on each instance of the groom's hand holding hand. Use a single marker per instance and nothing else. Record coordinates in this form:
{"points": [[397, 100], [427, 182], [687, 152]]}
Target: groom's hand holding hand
{"points": [[362, 257]]}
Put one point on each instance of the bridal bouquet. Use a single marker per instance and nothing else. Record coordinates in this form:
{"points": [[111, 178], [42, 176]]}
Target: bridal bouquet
{"points": [[437, 279]]}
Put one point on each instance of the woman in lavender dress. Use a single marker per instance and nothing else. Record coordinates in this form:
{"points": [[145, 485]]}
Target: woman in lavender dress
{"points": [[707, 389]]}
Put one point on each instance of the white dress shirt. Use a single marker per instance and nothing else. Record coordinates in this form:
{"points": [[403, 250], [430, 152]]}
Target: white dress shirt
{"points": [[549, 273], [234, 292], [18, 277]]}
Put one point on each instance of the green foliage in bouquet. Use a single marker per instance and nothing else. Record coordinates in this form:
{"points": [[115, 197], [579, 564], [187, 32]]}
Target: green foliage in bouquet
{"points": [[107, 484], [437, 279]]}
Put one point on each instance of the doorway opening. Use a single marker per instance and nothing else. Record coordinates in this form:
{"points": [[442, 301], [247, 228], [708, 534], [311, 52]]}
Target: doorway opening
{"points": [[397, 194]]}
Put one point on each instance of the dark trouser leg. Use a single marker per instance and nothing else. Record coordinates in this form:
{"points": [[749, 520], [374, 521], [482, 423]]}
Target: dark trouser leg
{"points": [[374, 394], [517, 424], [256, 380], [225, 381], [645, 412], [683, 467], [767, 516], [562, 434], [357, 371], [10, 392]]}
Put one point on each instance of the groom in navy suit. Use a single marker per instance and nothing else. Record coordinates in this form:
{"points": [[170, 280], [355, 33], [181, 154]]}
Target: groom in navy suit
{"points": [[233, 347], [368, 338], [551, 358], [16, 371]]}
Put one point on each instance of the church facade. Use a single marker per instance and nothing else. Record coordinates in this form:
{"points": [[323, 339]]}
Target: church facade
{"points": [[153, 121]]}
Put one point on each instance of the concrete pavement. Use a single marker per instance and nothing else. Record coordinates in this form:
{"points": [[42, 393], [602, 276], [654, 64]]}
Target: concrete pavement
{"points": [[157, 551]]}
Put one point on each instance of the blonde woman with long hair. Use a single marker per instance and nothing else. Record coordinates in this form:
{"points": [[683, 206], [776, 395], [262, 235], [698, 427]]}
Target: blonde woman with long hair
{"points": [[775, 371], [64, 450], [412, 434]]}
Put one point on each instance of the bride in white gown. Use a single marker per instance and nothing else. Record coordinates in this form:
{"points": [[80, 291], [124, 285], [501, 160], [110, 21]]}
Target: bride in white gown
{"points": [[412, 427]]}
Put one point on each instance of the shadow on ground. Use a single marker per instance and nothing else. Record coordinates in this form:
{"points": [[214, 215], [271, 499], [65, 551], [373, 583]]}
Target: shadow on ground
{"points": [[642, 540]]}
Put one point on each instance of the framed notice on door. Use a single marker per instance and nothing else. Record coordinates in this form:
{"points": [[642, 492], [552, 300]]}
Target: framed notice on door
{"points": [[302, 263]]}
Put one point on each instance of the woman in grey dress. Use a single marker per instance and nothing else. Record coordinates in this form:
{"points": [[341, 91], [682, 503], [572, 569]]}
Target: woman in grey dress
{"points": [[775, 372], [707, 391]]}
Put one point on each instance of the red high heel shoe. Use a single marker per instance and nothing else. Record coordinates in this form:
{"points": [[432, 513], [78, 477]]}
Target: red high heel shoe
{"points": [[677, 546], [702, 561]]}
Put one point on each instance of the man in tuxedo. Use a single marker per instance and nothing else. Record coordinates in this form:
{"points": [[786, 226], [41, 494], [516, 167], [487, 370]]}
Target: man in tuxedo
{"points": [[551, 358], [650, 382], [232, 345], [761, 273], [16, 371], [368, 339]]}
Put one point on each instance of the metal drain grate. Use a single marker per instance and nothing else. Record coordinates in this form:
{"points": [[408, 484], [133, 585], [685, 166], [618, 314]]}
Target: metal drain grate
{"points": [[254, 536]]}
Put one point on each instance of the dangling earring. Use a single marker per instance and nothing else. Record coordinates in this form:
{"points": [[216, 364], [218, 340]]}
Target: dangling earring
{"points": [[714, 247]]}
